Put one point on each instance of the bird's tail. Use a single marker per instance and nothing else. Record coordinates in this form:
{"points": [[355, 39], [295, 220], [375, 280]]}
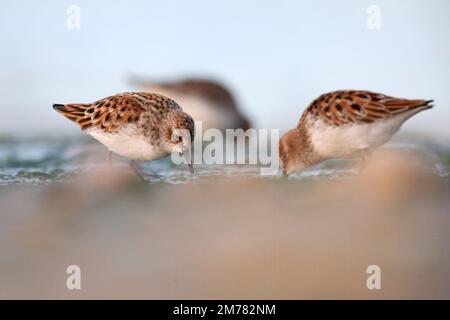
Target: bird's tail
{"points": [[428, 103], [58, 107], [74, 112], [397, 106]]}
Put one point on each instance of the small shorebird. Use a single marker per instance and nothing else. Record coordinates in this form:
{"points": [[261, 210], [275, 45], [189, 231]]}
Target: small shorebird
{"points": [[344, 124], [135, 125], [205, 100]]}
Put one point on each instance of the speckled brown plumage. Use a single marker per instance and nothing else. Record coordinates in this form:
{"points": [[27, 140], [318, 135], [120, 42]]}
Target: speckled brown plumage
{"points": [[344, 107], [137, 125], [345, 123], [112, 113]]}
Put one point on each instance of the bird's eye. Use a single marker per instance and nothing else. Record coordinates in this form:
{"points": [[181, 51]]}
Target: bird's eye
{"points": [[180, 139]]}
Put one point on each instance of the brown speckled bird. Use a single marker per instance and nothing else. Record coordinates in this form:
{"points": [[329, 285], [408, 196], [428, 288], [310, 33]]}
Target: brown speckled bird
{"points": [[345, 124], [136, 125], [205, 100]]}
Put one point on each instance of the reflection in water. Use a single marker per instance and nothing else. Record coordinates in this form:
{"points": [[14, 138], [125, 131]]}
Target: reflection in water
{"points": [[225, 233]]}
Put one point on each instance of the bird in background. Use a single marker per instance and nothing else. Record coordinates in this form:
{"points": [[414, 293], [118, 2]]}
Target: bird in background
{"points": [[205, 100], [135, 125], [345, 124]]}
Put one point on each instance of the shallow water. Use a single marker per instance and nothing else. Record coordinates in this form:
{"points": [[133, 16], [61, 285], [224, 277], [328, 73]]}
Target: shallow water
{"points": [[42, 161]]}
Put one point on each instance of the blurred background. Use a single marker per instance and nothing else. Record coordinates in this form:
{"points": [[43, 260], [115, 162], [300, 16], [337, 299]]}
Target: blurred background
{"points": [[226, 232], [276, 56]]}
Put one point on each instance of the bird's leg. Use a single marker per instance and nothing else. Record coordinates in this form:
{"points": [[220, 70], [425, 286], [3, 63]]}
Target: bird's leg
{"points": [[110, 159], [135, 168]]}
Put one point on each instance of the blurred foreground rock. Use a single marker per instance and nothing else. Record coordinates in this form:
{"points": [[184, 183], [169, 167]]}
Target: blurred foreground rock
{"points": [[231, 237]]}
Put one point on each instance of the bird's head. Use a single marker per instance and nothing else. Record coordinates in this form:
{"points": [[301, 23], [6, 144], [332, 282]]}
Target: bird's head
{"points": [[290, 152]]}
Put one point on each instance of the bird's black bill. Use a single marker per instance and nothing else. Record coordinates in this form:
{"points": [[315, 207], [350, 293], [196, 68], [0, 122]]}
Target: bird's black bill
{"points": [[188, 159], [191, 168]]}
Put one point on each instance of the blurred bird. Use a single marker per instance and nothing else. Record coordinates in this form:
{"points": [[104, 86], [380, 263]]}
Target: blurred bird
{"points": [[344, 124], [205, 100], [136, 125]]}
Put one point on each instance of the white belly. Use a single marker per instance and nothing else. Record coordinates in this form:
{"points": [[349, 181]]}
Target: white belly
{"points": [[127, 144], [350, 140]]}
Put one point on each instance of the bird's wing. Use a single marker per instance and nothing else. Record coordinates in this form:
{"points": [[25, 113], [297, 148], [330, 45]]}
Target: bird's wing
{"points": [[358, 107], [108, 114]]}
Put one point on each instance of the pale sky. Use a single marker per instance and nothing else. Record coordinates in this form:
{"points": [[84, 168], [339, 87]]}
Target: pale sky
{"points": [[277, 56]]}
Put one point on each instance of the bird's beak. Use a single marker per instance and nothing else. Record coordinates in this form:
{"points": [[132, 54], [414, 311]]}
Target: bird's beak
{"points": [[188, 159]]}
